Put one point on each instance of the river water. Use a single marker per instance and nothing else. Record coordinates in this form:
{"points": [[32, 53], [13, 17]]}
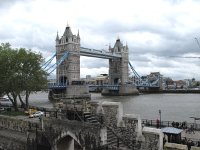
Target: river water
{"points": [[174, 107]]}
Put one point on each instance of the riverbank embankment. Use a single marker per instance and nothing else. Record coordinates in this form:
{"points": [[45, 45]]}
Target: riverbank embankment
{"points": [[181, 91]]}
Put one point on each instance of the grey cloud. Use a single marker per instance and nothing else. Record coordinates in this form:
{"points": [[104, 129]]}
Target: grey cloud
{"points": [[90, 62], [174, 1], [8, 3], [172, 42], [34, 36]]}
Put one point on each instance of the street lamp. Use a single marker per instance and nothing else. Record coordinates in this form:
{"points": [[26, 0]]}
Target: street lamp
{"points": [[160, 117]]}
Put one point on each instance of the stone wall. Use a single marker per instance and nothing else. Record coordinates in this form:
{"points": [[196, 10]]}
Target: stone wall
{"points": [[16, 124], [128, 128], [127, 89], [78, 91], [11, 143], [174, 146], [124, 90], [13, 133], [87, 135], [195, 148]]}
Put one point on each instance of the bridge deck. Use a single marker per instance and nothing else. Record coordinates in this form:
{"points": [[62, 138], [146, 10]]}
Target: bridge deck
{"points": [[64, 86]]}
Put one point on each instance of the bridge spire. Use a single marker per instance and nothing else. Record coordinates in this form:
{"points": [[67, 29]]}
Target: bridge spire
{"points": [[67, 24], [68, 32], [109, 47], [118, 39], [78, 36], [57, 37], [126, 45]]}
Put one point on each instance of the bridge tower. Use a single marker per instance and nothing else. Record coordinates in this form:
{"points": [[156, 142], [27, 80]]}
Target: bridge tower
{"points": [[68, 72], [118, 67], [119, 71]]}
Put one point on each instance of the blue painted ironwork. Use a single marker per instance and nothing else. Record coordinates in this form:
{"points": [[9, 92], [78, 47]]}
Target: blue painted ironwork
{"points": [[83, 52], [136, 74], [46, 64], [57, 86], [98, 53], [145, 82], [54, 66], [64, 86], [106, 86]]}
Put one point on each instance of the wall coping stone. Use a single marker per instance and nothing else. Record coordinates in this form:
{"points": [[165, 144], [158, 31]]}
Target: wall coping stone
{"points": [[174, 146]]}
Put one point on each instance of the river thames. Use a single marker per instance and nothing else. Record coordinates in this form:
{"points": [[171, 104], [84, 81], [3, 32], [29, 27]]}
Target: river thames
{"points": [[174, 107]]}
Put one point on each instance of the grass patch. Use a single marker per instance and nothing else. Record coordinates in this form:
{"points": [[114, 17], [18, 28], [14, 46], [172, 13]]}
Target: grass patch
{"points": [[12, 113]]}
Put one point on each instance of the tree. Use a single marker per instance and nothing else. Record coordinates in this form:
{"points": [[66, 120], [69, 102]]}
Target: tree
{"points": [[21, 74]]}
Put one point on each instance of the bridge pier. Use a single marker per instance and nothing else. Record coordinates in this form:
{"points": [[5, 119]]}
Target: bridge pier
{"points": [[124, 90]]}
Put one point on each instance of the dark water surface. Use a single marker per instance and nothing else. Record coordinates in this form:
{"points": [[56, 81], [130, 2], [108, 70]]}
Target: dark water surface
{"points": [[174, 107]]}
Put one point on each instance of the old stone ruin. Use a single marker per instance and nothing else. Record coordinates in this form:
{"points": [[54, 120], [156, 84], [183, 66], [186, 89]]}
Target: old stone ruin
{"points": [[82, 125]]}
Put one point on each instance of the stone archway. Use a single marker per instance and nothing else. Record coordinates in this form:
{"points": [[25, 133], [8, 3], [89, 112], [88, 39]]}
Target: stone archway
{"points": [[67, 141], [63, 80], [116, 81], [43, 143]]}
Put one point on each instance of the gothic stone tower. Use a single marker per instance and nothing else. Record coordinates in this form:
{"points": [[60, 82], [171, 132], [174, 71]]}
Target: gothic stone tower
{"points": [[69, 69], [118, 72], [118, 68], [68, 72]]}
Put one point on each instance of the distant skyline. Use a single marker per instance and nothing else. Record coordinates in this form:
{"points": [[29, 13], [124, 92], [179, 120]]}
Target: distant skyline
{"points": [[154, 30]]}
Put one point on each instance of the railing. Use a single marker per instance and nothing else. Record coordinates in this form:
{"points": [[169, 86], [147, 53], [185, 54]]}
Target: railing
{"points": [[56, 85], [106, 86], [154, 123]]}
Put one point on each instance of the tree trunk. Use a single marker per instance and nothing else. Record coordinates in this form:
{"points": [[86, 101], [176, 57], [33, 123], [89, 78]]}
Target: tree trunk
{"points": [[13, 100], [27, 97], [22, 103]]}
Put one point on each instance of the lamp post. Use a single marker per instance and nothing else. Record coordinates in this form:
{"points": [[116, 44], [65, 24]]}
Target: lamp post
{"points": [[160, 117]]}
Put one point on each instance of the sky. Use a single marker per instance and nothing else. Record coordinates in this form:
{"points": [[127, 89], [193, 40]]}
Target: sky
{"points": [[154, 30]]}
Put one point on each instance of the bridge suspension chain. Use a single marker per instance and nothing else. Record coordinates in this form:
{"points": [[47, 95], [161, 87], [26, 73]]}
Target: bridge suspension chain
{"points": [[46, 64], [136, 74], [55, 65]]}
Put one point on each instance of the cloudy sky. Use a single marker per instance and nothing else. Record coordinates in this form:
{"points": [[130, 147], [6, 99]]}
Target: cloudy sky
{"points": [[153, 29]]}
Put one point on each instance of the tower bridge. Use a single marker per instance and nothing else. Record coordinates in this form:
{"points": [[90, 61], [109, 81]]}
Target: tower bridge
{"points": [[67, 66], [68, 52]]}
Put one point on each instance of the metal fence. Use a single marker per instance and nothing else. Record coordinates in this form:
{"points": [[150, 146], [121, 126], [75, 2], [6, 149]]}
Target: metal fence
{"points": [[180, 125]]}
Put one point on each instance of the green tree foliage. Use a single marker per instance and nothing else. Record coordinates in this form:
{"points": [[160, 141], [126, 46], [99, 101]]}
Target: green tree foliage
{"points": [[20, 74]]}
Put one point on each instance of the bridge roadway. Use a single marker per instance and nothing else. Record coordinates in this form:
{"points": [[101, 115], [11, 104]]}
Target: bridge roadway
{"points": [[63, 86], [93, 53]]}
